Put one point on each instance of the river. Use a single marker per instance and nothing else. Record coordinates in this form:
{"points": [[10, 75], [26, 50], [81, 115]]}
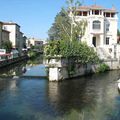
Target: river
{"points": [[93, 97]]}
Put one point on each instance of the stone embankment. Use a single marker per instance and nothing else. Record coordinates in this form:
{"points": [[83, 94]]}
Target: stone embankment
{"points": [[12, 61], [61, 68]]}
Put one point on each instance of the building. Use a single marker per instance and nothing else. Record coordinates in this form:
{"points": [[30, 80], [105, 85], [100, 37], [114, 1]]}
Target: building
{"points": [[14, 32], [24, 42], [101, 29], [0, 34], [34, 42], [15, 35], [5, 35], [101, 25], [37, 43]]}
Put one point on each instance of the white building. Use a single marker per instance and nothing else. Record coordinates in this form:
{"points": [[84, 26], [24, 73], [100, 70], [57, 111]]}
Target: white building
{"points": [[101, 29], [14, 32], [4, 35], [37, 44], [15, 35], [101, 24], [34, 42]]}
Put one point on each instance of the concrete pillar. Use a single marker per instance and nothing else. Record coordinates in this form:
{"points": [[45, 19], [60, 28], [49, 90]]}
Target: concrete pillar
{"points": [[53, 74], [101, 40]]}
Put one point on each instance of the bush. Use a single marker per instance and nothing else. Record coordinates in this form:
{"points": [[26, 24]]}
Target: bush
{"points": [[32, 54], [103, 67], [84, 53]]}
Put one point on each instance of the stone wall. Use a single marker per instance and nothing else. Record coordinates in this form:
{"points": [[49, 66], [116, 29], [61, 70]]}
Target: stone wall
{"points": [[62, 68], [113, 64]]}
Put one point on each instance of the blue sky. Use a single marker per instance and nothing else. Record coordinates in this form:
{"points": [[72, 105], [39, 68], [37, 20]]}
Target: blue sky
{"points": [[36, 16]]}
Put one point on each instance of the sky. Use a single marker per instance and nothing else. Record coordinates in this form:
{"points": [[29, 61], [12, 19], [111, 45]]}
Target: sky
{"points": [[36, 16]]}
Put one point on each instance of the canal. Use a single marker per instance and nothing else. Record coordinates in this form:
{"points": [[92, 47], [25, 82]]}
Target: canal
{"points": [[93, 97]]}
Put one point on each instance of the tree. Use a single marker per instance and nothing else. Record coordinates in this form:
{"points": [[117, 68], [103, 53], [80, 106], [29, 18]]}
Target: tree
{"points": [[71, 49], [56, 32], [65, 26], [118, 32], [66, 31], [118, 36], [7, 45]]}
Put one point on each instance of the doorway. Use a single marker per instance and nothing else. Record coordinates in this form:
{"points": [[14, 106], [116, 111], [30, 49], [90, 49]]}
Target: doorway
{"points": [[94, 41]]}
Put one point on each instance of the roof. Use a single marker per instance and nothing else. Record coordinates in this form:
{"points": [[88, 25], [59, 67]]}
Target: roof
{"points": [[10, 23], [93, 7], [5, 30]]}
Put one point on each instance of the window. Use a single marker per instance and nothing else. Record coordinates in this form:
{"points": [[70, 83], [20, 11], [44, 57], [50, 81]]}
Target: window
{"points": [[96, 12], [107, 14], [84, 13], [107, 26], [113, 15], [96, 24], [107, 40], [4, 27]]}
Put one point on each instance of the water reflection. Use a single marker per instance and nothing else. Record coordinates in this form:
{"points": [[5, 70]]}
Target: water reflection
{"points": [[93, 97], [19, 68]]}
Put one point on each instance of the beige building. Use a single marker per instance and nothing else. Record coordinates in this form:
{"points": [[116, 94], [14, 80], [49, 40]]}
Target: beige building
{"points": [[15, 35], [34, 42], [5, 35], [37, 43], [14, 30]]}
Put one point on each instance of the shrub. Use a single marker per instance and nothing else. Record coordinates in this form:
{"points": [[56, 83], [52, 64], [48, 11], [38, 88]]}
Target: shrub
{"points": [[103, 67], [84, 53]]}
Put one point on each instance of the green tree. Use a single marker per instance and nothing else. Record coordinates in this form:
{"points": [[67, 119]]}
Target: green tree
{"points": [[78, 50], [66, 31], [118, 32], [65, 26], [7, 45]]}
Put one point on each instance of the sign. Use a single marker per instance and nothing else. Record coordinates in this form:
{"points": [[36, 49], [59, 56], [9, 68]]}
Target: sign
{"points": [[2, 51]]}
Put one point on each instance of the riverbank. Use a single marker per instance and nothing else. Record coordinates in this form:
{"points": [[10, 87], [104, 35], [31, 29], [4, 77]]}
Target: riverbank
{"points": [[7, 62]]}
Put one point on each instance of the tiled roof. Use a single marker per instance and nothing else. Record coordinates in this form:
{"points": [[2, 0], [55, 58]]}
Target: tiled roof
{"points": [[86, 8]]}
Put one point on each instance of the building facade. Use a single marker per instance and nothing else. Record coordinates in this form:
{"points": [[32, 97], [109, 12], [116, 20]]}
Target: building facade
{"points": [[36, 43], [101, 26], [5, 35], [15, 35], [14, 30], [0, 34]]}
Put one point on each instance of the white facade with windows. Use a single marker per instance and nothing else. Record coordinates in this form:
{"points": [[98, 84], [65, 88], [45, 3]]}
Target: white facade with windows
{"points": [[15, 35], [14, 30], [101, 25], [101, 29]]}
